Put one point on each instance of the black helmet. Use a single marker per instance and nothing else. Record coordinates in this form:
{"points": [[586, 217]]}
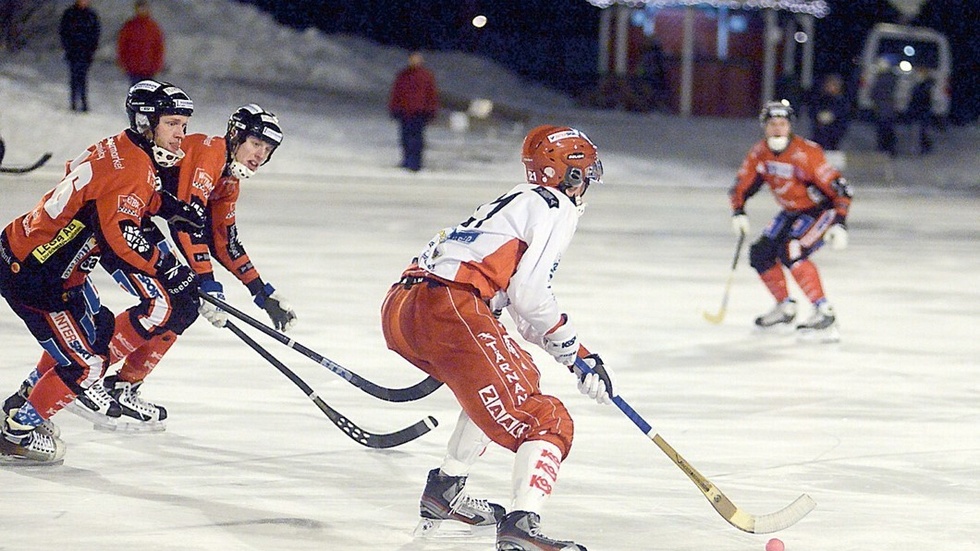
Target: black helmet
{"points": [[148, 99], [780, 108], [252, 120]]}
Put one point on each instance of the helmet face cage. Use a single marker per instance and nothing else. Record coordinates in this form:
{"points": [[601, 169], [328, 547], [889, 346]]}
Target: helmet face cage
{"points": [[252, 120], [148, 100], [562, 157], [773, 109]]}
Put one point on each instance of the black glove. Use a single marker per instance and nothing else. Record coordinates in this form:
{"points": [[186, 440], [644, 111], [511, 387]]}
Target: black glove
{"points": [[177, 279], [599, 384], [282, 314], [181, 216]]}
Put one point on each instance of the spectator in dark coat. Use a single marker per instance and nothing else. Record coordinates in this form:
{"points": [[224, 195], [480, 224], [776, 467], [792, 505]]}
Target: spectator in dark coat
{"points": [[141, 45], [79, 31], [883, 96], [414, 102], [830, 113], [920, 109]]}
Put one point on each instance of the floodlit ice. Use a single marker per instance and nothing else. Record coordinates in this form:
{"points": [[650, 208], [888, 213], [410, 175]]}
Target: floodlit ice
{"points": [[881, 429]]}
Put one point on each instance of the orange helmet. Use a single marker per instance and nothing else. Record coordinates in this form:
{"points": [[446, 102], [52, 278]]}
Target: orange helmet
{"points": [[561, 157]]}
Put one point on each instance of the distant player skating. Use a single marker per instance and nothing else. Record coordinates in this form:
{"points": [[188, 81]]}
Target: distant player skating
{"points": [[814, 199]]}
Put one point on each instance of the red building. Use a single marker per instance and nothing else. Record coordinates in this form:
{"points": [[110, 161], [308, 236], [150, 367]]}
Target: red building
{"points": [[714, 59]]}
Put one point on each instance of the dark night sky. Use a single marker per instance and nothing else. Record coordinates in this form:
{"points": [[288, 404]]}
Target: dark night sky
{"points": [[555, 41]]}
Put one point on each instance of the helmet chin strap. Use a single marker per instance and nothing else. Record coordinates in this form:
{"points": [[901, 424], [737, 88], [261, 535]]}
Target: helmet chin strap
{"points": [[777, 143], [166, 158], [240, 171]]}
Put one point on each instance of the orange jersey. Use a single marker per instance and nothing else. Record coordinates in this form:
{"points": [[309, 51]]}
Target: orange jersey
{"points": [[800, 178], [97, 208], [202, 181]]}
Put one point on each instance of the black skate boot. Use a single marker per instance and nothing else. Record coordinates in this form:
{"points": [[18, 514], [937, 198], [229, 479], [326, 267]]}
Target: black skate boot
{"points": [[97, 406], [19, 398], [25, 445], [136, 414], [445, 498], [518, 531]]}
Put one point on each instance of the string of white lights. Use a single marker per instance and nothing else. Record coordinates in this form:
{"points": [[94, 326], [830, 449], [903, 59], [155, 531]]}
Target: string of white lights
{"points": [[816, 8]]}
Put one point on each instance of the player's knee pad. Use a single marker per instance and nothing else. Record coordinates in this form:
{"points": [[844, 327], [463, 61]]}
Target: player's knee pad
{"points": [[554, 424], [762, 254], [792, 253], [105, 324], [184, 313]]}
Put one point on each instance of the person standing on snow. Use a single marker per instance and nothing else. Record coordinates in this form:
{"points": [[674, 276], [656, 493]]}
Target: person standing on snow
{"points": [[79, 31], [814, 199], [141, 45], [442, 317], [414, 102], [830, 113], [93, 216]]}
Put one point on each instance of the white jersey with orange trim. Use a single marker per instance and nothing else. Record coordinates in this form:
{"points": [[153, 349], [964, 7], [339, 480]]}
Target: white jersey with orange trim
{"points": [[508, 252]]}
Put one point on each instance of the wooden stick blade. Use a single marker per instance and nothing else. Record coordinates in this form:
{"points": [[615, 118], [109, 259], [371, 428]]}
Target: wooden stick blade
{"points": [[739, 518], [773, 522], [715, 318]]}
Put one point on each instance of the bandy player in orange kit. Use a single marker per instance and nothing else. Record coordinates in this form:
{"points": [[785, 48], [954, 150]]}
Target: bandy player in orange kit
{"points": [[814, 199]]}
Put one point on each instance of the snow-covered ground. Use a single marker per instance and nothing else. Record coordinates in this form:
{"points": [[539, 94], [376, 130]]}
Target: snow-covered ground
{"points": [[881, 429]]}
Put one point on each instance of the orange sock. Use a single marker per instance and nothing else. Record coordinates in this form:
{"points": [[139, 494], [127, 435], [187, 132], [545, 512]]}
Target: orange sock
{"points": [[775, 281], [50, 394], [141, 361], [805, 274], [46, 363], [125, 339]]}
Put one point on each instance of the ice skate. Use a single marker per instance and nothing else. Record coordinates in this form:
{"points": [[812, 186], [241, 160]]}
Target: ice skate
{"points": [[136, 414], [19, 398], [821, 327], [445, 499], [518, 531], [97, 406], [781, 316], [24, 445]]}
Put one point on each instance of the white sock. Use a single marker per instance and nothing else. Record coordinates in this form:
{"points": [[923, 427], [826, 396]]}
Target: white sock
{"points": [[535, 474]]}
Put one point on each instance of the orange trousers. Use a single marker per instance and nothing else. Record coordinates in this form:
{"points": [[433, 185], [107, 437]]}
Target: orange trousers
{"points": [[453, 336]]}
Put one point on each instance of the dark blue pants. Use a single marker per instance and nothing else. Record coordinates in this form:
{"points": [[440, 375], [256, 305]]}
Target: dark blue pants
{"points": [[413, 141], [78, 82]]}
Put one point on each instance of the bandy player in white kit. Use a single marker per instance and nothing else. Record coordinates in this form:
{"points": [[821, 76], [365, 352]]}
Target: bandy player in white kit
{"points": [[442, 317]]}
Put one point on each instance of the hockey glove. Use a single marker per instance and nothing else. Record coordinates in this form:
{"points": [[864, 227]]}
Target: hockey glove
{"points": [[179, 215], [177, 279], [836, 237], [740, 224], [212, 312], [282, 314], [600, 384], [562, 343]]}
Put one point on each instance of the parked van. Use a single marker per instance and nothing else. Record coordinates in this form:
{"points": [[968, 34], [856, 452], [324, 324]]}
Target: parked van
{"points": [[913, 54]]}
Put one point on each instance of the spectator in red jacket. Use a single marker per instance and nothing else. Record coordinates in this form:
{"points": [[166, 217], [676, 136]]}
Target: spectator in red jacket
{"points": [[414, 102], [141, 44]]}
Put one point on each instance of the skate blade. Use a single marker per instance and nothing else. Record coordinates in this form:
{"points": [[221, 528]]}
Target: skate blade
{"points": [[781, 329], [101, 422], [130, 426], [448, 529], [819, 336], [19, 462]]}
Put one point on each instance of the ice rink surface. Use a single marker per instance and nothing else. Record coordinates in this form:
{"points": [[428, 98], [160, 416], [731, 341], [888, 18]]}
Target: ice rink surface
{"points": [[880, 429]]}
